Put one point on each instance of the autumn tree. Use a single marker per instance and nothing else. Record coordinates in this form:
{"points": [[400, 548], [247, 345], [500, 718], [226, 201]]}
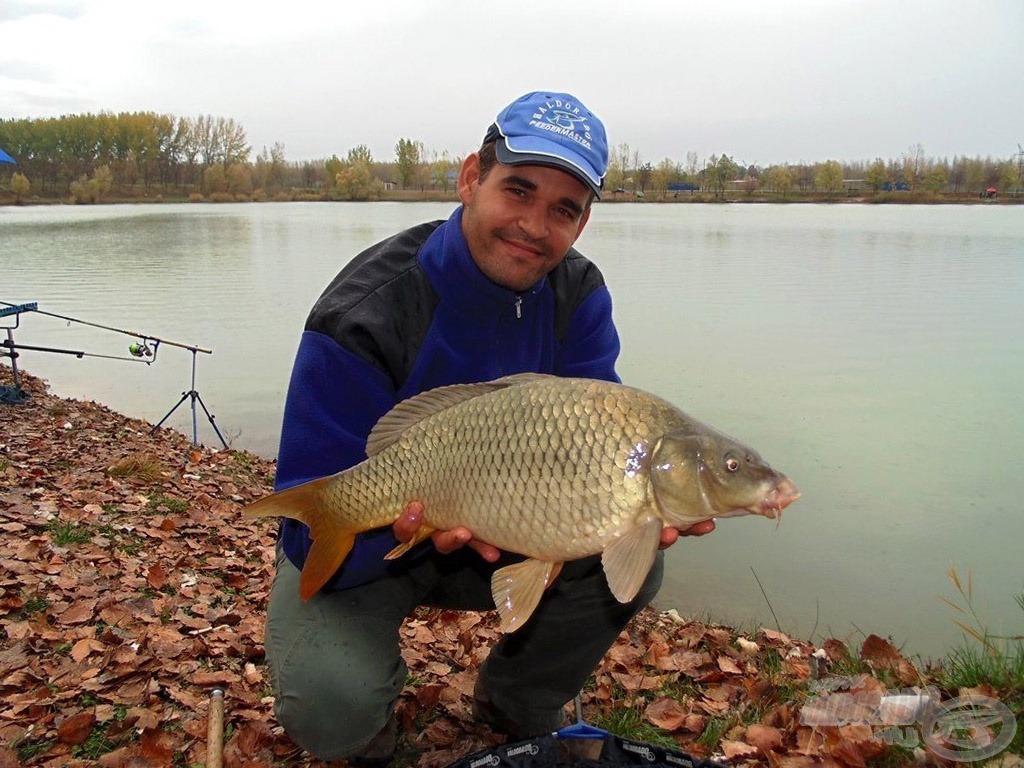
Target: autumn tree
{"points": [[215, 180], [829, 177], [409, 155], [441, 171], [92, 189], [974, 178], [619, 168], [914, 166], [239, 179], [664, 172], [877, 176], [269, 171], [20, 186], [1008, 176], [355, 180], [936, 179], [720, 171], [780, 179]]}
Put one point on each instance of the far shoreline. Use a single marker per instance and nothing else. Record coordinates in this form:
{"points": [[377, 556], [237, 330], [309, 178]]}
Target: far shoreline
{"points": [[396, 196]]}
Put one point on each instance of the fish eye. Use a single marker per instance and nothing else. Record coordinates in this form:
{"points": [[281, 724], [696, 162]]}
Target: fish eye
{"points": [[732, 463]]}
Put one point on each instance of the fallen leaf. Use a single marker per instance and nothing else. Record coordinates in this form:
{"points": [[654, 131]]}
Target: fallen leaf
{"points": [[76, 728], [156, 576], [765, 738], [879, 652], [729, 666], [735, 749], [78, 612], [666, 713]]}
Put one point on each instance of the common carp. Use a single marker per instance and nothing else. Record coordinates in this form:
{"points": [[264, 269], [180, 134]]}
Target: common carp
{"points": [[551, 468]]}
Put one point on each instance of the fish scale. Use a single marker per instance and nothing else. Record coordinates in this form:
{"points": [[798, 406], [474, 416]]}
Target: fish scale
{"points": [[552, 468]]}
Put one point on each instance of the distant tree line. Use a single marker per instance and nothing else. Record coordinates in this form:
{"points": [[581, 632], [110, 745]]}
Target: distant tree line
{"points": [[721, 175], [91, 157]]}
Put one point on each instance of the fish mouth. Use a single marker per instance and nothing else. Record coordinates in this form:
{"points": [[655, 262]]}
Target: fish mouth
{"points": [[777, 499]]}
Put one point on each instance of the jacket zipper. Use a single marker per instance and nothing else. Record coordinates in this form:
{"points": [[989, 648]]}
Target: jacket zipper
{"points": [[519, 307]]}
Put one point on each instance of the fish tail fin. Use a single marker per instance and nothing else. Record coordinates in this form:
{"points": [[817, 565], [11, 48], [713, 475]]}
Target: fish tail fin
{"points": [[332, 539]]}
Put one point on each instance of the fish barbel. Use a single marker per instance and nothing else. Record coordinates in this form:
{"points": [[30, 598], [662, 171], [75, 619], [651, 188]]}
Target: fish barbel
{"points": [[551, 468]]}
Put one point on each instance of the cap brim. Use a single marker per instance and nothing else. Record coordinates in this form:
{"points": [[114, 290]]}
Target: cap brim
{"points": [[534, 151]]}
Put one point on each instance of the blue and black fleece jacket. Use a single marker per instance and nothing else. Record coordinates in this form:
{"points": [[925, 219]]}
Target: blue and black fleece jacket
{"points": [[409, 314]]}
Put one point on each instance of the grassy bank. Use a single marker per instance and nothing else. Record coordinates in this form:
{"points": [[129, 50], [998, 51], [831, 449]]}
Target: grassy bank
{"points": [[132, 586]]}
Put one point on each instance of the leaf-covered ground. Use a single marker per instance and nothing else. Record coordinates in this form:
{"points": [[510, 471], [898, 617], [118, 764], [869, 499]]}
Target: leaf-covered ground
{"points": [[131, 587]]}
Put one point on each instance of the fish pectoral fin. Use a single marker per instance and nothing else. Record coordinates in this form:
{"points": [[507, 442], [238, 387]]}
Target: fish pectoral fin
{"points": [[554, 574], [628, 559], [517, 590], [422, 534]]}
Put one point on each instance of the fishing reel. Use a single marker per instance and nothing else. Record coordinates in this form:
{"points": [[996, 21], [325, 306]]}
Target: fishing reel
{"points": [[141, 349]]}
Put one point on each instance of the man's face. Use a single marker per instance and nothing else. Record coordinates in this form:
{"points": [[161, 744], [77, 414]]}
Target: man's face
{"points": [[521, 220]]}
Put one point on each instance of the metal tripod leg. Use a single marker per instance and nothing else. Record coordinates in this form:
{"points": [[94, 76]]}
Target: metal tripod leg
{"points": [[194, 396]]}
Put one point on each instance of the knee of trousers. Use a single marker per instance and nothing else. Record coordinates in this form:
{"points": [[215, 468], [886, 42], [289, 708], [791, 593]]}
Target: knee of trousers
{"points": [[331, 718]]}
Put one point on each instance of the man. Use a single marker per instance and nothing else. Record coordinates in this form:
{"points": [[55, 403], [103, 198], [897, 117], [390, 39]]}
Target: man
{"points": [[496, 289]]}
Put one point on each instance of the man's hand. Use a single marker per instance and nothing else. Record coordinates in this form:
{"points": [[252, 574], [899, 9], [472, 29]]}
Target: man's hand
{"points": [[669, 536], [445, 542]]}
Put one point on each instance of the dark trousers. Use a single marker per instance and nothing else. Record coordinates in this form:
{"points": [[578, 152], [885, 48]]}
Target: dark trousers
{"points": [[335, 662]]}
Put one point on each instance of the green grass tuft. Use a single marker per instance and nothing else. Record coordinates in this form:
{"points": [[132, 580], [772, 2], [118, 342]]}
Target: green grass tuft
{"points": [[66, 534]]}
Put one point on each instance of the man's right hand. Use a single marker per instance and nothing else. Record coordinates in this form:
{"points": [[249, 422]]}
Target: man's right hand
{"points": [[445, 542]]}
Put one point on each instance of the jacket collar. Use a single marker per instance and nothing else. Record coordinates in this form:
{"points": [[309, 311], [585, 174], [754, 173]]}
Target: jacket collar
{"points": [[458, 280]]}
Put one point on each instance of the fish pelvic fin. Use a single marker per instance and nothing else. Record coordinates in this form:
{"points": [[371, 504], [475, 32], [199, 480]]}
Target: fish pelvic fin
{"points": [[331, 542], [629, 558], [518, 588], [422, 534]]}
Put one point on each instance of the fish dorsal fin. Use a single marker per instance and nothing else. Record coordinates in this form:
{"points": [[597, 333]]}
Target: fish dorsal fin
{"points": [[518, 588], [628, 559], [408, 413]]}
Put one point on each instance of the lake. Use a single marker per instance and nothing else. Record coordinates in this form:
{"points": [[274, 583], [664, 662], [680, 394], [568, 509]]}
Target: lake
{"points": [[873, 353]]}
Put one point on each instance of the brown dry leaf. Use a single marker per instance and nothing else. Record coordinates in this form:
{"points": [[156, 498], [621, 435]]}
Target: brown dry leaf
{"points": [[666, 713], [794, 761], [776, 637], [729, 666], [76, 728], [737, 749], [810, 741], [764, 737], [78, 612], [985, 689], [427, 696], [879, 652], [84, 647], [442, 733]]}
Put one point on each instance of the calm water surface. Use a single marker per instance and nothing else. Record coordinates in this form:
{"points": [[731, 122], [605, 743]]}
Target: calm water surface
{"points": [[873, 353]]}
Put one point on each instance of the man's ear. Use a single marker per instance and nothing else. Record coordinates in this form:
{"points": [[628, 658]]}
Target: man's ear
{"points": [[469, 177]]}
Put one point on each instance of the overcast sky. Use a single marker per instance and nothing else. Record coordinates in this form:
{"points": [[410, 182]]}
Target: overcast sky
{"points": [[761, 80]]}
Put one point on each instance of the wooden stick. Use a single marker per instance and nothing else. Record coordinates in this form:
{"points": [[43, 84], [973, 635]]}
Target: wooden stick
{"points": [[215, 731]]}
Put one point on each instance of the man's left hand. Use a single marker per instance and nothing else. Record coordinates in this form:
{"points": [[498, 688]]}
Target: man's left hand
{"points": [[669, 536], [445, 542]]}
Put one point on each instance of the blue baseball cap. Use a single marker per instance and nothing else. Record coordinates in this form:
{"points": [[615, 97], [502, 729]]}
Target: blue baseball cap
{"points": [[553, 129]]}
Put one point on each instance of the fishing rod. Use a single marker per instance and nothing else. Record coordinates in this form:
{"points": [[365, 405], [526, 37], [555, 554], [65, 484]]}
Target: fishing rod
{"points": [[137, 350], [10, 345], [140, 351]]}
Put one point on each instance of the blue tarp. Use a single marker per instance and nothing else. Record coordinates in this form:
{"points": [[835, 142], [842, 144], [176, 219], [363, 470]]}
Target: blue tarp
{"points": [[5, 158]]}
